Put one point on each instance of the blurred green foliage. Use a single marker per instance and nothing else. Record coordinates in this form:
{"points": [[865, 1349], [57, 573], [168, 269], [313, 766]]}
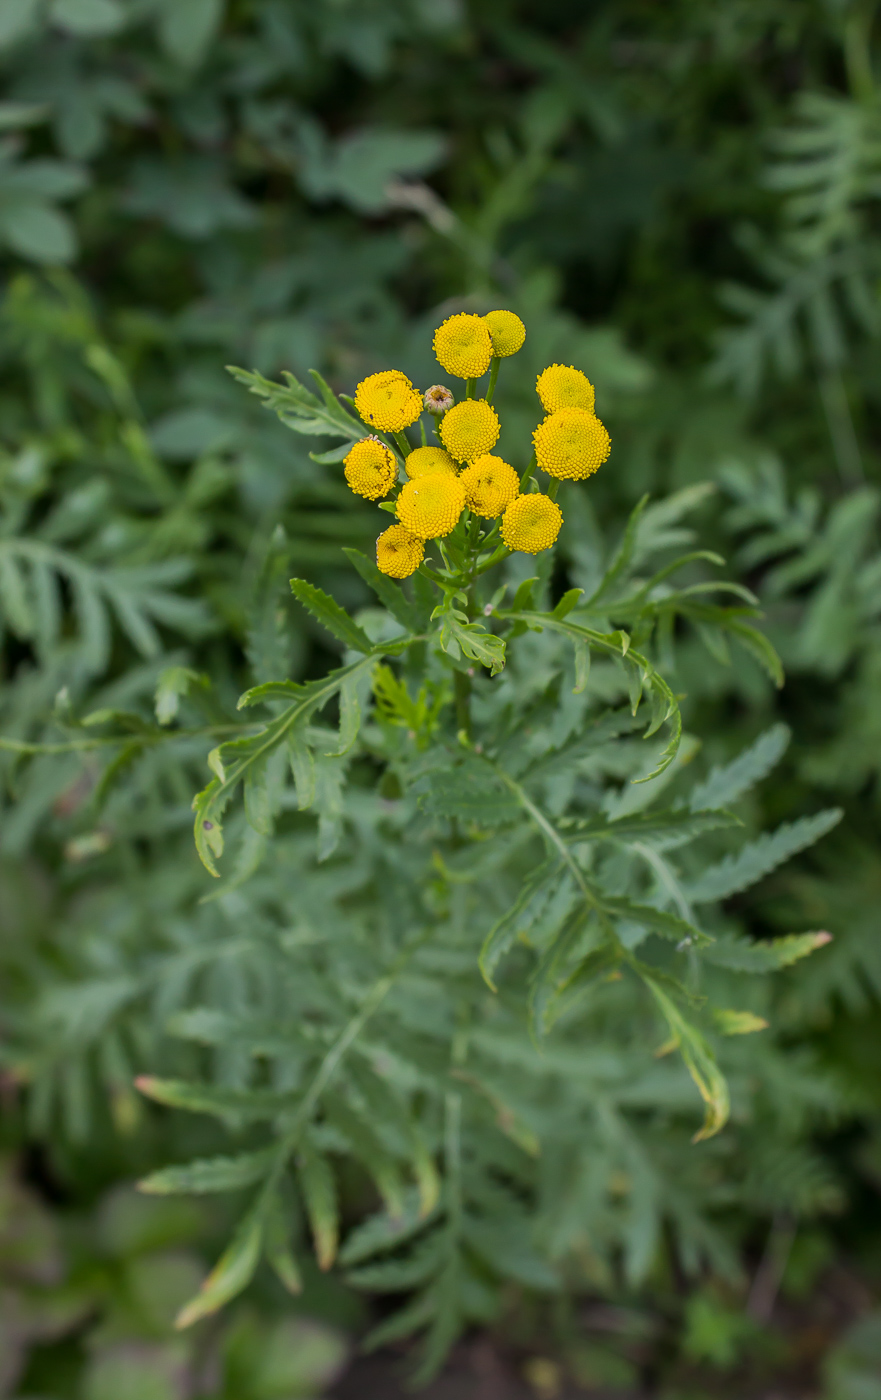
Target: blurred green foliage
{"points": [[682, 200]]}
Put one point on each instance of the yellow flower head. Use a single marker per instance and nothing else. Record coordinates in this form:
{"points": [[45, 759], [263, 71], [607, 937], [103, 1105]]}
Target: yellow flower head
{"points": [[425, 460], [431, 505], [388, 401], [490, 485], [571, 443], [463, 345], [469, 429], [507, 332], [398, 553], [371, 469], [561, 386], [531, 523]]}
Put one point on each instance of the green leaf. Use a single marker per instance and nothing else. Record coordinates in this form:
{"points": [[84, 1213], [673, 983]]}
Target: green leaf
{"points": [[186, 30], [16, 17], [755, 860], [320, 1199], [331, 616], [210, 1174], [300, 409], [514, 920], [88, 18], [726, 784], [738, 1022], [231, 762], [368, 1149], [174, 683], [37, 231], [740, 955], [660, 921], [567, 603], [243, 1105], [279, 1253], [389, 593], [465, 788], [383, 1232], [620, 561], [664, 830], [230, 1275], [699, 1060]]}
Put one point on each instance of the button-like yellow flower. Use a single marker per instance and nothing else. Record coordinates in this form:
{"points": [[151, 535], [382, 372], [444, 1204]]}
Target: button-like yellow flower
{"points": [[431, 505], [571, 443], [561, 386], [371, 469], [388, 401], [507, 332], [463, 345], [423, 461], [469, 429], [398, 553], [490, 485], [531, 523]]}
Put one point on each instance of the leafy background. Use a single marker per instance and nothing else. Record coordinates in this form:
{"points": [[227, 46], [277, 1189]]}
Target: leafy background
{"points": [[682, 199]]}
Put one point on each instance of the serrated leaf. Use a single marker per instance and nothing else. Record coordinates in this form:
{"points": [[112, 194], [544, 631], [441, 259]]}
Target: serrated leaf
{"points": [[249, 1105], [383, 1232], [368, 1149], [232, 1272], [174, 683], [757, 859], [740, 955], [664, 829], [210, 1174], [726, 784], [505, 930], [389, 593], [738, 1022], [320, 1200], [302, 763], [331, 616], [699, 1061], [661, 921]]}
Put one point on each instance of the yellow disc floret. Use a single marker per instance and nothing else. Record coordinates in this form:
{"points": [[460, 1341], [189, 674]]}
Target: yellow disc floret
{"points": [[463, 345], [423, 461], [507, 332], [431, 505], [490, 485], [371, 469], [571, 443], [561, 386], [469, 429], [388, 401], [398, 553], [531, 523]]}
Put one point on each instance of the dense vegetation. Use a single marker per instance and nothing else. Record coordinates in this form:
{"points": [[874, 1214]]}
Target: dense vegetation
{"points": [[679, 199]]}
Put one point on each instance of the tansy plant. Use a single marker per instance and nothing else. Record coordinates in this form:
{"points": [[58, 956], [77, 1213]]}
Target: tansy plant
{"points": [[510, 843]]}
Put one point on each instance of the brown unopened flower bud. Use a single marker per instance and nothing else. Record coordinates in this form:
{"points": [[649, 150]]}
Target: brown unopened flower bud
{"points": [[438, 399]]}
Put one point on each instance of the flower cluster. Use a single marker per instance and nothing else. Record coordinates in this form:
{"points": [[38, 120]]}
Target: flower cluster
{"points": [[444, 489]]}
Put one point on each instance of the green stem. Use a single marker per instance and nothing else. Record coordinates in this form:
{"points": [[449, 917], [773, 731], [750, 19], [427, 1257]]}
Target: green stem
{"points": [[403, 444], [527, 475], [462, 693], [840, 424], [422, 431], [493, 376], [501, 553], [553, 489], [858, 51], [469, 388]]}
